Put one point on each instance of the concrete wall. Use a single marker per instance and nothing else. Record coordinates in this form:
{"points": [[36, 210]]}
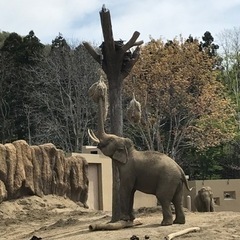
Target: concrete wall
{"points": [[226, 193], [102, 197], [100, 182]]}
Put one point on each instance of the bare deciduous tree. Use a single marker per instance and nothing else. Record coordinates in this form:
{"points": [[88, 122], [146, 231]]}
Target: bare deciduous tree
{"points": [[62, 110]]}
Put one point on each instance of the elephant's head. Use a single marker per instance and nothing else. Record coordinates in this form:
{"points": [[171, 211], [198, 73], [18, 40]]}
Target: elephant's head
{"points": [[117, 148], [205, 192]]}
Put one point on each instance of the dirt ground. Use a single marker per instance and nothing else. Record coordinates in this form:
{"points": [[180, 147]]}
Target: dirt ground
{"points": [[53, 217]]}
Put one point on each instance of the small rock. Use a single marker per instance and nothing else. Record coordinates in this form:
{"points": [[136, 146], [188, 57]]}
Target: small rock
{"points": [[35, 238], [134, 237]]}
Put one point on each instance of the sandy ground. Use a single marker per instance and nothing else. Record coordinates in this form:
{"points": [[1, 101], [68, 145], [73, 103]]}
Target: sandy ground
{"points": [[53, 217]]}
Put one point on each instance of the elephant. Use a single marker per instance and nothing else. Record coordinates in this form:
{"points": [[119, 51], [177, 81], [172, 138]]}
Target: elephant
{"points": [[204, 201], [150, 172]]}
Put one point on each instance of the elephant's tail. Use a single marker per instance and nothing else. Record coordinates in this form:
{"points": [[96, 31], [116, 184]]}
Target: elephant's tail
{"points": [[185, 181], [186, 184]]}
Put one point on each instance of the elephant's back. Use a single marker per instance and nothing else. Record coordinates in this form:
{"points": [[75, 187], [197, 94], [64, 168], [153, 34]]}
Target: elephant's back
{"points": [[159, 159], [155, 171], [158, 165]]}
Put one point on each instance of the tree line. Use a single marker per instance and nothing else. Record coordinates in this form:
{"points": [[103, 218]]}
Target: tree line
{"points": [[189, 95], [44, 92]]}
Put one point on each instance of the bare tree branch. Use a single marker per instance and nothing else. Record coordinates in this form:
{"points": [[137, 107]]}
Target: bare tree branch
{"points": [[107, 32], [132, 42], [92, 52]]}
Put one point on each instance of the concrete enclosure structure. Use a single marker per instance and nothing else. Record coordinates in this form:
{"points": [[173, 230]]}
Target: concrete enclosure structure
{"points": [[226, 193]]}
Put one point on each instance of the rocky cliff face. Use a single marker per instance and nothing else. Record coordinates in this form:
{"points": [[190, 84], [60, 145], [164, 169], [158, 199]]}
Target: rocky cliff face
{"points": [[41, 170]]}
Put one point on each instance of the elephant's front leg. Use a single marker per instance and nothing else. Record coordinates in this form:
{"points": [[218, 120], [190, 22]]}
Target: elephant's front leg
{"points": [[130, 210], [126, 201], [212, 205]]}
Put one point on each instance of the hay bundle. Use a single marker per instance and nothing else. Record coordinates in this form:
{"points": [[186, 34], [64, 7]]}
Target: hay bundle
{"points": [[98, 91], [134, 111]]}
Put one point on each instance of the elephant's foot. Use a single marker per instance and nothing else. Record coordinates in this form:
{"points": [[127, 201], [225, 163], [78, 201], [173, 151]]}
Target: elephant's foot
{"points": [[132, 217], [179, 220], [166, 222], [127, 217]]}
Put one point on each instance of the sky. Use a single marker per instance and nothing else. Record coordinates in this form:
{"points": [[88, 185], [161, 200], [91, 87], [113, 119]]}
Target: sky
{"points": [[79, 20]]}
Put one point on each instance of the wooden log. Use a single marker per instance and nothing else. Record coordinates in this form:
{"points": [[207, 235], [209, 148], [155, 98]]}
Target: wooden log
{"points": [[182, 232], [114, 225]]}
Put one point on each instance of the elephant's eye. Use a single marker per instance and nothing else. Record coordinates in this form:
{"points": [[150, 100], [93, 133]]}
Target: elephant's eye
{"points": [[98, 145], [101, 145]]}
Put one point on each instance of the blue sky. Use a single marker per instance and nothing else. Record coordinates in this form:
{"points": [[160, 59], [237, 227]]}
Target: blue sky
{"points": [[79, 20]]}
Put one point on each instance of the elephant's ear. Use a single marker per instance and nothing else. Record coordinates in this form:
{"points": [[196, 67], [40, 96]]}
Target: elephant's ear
{"points": [[122, 152], [121, 155]]}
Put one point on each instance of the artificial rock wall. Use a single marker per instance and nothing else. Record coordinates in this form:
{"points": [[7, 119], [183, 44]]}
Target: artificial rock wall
{"points": [[41, 170]]}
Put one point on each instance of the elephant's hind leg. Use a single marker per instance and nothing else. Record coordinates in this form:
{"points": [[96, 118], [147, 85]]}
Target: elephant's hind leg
{"points": [[177, 202], [180, 216], [167, 213]]}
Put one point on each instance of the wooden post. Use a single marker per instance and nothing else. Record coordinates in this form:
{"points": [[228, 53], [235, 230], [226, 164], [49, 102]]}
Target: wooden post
{"points": [[117, 61]]}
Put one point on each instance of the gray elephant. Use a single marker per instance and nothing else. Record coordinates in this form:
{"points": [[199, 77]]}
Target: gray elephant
{"points": [[204, 201], [147, 171]]}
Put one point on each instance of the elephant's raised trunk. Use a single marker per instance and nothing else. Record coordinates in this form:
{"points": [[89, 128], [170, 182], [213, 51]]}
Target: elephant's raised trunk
{"points": [[101, 132], [98, 92], [101, 119]]}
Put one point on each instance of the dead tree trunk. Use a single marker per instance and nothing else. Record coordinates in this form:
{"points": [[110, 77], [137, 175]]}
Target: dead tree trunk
{"points": [[117, 61]]}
